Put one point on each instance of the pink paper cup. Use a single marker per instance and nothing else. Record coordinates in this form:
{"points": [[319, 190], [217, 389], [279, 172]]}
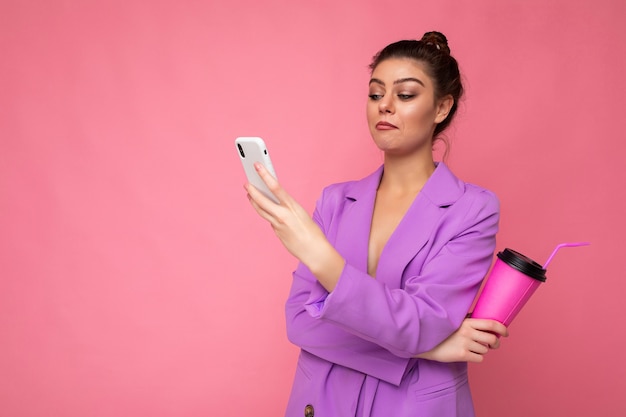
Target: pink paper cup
{"points": [[512, 281]]}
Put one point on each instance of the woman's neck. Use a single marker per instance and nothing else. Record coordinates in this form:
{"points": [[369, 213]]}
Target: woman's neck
{"points": [[406, 174]]}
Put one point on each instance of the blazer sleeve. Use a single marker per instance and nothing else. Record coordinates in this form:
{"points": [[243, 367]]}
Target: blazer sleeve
{"points": [[328, 340], [332, 342]]}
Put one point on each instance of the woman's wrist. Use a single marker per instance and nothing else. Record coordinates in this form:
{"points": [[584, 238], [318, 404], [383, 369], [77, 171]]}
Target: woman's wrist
{"points": [[326, 264]]}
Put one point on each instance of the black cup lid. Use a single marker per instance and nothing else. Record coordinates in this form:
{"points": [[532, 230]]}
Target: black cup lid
{"points": [[523, 264]]}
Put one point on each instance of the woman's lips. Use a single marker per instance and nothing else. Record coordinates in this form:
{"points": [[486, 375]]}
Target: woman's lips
{"points": [[385, 126]]}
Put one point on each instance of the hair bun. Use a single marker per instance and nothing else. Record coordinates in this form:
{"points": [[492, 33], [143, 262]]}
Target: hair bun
{"points": [[436, 39]]}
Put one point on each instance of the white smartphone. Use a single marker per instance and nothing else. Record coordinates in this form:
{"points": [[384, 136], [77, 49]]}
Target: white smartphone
{"points": [[251, 150]]}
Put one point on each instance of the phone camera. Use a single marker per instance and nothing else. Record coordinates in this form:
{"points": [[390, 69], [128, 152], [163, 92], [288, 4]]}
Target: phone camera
{"points": [[243, 155]]}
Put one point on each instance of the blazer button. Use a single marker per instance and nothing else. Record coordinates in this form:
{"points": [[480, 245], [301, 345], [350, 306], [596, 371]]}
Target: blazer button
{"points": [[309, 411]]}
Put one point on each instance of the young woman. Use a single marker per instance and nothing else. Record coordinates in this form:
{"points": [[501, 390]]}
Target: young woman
{"points": [[390, 264]]}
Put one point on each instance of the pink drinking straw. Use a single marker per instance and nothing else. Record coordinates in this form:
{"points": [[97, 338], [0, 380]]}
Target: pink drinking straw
{"points": [[563, 245]]}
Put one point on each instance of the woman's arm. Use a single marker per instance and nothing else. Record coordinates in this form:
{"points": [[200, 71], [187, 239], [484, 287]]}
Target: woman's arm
{"points": [[405, 321], [319, 271], [436, 291], [297, 231]]}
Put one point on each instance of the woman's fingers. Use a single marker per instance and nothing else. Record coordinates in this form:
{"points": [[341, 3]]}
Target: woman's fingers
{"points": [[485, 338], [495, 344], [271, 183], [490, 332], [255, 196], [487, 325], [484, 331], [291, 223], [478, 348], [474, 358], [260, 200], [469, 343]]}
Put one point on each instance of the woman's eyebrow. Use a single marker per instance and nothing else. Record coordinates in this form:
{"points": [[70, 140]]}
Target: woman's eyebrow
{"points": [[404, 80], [399, 81]]}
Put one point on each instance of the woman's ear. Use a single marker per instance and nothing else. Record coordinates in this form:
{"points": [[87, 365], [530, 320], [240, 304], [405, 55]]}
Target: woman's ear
{"points": [[444, 106]]}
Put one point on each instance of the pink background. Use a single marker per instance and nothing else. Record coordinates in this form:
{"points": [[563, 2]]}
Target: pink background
{"points": [[137, 281]]}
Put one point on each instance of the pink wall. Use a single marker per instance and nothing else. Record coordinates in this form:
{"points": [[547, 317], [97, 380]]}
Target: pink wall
{"points": [[136, 280]]}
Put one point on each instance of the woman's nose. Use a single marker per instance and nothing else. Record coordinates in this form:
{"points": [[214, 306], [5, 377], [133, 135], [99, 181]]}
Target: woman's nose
{"points": [[385, 105]]}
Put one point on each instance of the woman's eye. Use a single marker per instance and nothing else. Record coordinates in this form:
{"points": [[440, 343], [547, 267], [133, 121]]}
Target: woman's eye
{"points": [[375, 97], [406, 96]]}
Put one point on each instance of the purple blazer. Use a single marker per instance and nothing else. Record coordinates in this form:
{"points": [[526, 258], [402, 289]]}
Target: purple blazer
{"points": [[358, 342]]}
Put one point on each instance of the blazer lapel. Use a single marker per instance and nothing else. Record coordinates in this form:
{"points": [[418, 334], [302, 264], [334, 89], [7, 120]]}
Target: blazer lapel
{"points": [[354, 229], [440, 191]]}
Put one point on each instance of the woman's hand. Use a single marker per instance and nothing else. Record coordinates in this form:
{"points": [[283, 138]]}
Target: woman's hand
{"points": [[297, 231], [469, 343]]}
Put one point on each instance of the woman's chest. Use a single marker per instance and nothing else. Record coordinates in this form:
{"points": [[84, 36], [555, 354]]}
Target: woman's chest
{"points": [[386, 218]]}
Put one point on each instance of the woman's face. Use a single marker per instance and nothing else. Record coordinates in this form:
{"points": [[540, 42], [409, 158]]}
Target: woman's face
{"points": [[401, 110]]}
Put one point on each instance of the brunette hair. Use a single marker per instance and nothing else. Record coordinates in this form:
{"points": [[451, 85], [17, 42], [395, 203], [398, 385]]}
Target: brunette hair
{"points": [[433, 51]]}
